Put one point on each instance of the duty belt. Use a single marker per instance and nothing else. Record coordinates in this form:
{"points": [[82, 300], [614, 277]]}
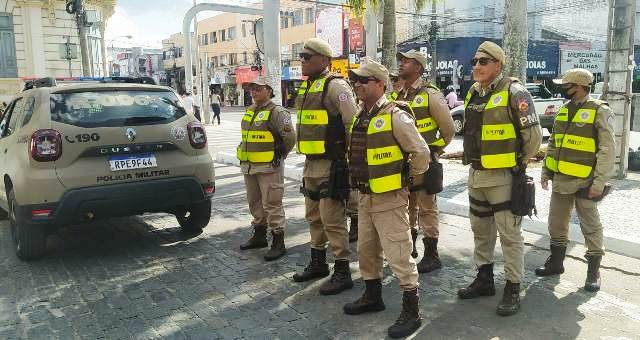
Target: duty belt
{"points": [[323, 192], [493, 207]]}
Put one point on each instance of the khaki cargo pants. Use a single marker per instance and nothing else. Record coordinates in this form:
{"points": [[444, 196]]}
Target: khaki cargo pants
{"points": [[504, 223], [560, 213], [352, 203], [327, 221], [386, 232], [423, 211], [264, 194]]}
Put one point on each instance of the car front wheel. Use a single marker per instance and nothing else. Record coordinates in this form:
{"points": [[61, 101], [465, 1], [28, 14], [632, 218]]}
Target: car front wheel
{"points": [[195, 217], [458, 125], [30, 239]]}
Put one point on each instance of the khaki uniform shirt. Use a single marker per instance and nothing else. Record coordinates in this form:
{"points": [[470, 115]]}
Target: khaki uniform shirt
{"points": [[411, 142], [521, 102], [338, 100], [605, 156], [438, 108], [281, 122]]}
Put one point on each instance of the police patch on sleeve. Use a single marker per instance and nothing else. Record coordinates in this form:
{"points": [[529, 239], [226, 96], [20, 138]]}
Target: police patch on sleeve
{"points": [[523, 105], [343, 97], [405, 118]]}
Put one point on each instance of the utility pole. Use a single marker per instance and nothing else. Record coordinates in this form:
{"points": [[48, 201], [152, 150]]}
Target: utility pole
{"points": [[433, 40], [371, 32], [76, 7], [618, 75], [516, 39]]}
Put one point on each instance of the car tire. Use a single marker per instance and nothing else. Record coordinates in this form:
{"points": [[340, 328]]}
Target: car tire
{"points": [[29, 239], [195, 217], [458, 125]]}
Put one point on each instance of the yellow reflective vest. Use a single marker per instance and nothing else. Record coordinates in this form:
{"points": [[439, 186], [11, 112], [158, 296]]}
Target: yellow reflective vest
{"points": [[385, 159], [313, 118], [258, 143], [498, 141], [573, 144], [425, 123]]}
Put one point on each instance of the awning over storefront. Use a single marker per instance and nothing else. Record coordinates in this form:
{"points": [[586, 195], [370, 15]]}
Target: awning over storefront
{"points": [[246, 75]]}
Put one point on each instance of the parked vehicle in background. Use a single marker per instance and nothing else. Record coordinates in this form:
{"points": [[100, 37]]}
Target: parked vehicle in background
{"points": [[457, 113], [546, 105], [89, 151]]}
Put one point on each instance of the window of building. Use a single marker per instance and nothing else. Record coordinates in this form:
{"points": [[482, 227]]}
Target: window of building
{"points": [[309, 15], [284, 19], [244, 30], [297, 18], [223, 60], [245, 59], [296, 49], [233, 59], [212, 36], [231, 33], [205, 39], [223, 35], [214, 62]]}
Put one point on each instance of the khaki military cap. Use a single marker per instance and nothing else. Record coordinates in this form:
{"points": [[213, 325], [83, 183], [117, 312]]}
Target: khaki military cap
{"points": [[260, 81], [492, 49], [413, 54], [317, 46], [373, 69], [578, 76]]}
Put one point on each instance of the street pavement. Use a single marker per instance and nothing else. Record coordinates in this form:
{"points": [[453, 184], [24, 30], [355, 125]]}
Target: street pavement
{"points": [[143, 278]]}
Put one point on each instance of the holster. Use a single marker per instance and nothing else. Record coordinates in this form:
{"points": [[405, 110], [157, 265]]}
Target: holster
{"points": [[434, 177], [339, 180], [523, 194], [323, 192], [584, 193]]}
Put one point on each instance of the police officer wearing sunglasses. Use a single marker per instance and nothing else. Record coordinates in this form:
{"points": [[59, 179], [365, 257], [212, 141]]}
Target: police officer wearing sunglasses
{"points": [[501, 134], [325, 107], [383, 136]]}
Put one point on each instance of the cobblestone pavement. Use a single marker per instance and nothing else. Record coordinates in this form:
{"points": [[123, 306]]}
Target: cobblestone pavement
{"points": [[143, 278], [617, 211]]}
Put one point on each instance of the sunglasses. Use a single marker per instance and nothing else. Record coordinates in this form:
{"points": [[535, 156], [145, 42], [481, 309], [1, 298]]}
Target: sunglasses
{"points": [[483, 61], [306, 56], [362, 80]]}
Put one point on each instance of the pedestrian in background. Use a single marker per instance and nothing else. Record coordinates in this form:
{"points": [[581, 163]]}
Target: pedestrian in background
{"points": [[187, 102], [452, 97], [197, 103], [383, 138], [267, 139], [325, 106], [580, 160], [397, 84], [215, 106], [435, 125], [501, 134]]}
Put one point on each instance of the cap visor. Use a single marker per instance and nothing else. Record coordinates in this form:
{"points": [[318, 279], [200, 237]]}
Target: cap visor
{"points": [[401, 54], [360, 72], [558, 81]]}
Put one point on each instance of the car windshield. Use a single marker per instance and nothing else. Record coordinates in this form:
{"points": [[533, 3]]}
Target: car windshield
{"points": [[115, 108]]}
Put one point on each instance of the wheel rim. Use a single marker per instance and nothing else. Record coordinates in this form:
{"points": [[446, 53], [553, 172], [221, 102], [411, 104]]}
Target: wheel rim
{"points": [[457, 124]]}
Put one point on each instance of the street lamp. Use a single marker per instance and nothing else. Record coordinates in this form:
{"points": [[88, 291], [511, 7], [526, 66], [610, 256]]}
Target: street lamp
{"points": [[112, 40]]}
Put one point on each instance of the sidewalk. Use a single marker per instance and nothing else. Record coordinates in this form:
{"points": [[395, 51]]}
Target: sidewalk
{"points": [[618, 210]]}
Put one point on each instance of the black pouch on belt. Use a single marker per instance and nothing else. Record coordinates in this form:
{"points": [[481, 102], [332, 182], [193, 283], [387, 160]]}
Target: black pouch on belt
{"points": [[339, 180], [434, 177], [523, 194]]}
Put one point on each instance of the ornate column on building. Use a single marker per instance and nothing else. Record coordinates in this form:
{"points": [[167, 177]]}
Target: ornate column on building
{"points": [[31, 11]]}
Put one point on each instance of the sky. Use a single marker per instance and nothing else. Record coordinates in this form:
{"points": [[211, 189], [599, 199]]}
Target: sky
{"points": [[150, 21]]}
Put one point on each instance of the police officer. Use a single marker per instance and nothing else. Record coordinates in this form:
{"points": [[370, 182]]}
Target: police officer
{"points": [[267, 139], [501, 133], [582, 134], [383, 137], [435, 124], [325, 107], [396, 85]]}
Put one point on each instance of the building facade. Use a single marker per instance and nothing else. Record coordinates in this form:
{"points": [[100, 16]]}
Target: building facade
{"points": [[37, 36]]}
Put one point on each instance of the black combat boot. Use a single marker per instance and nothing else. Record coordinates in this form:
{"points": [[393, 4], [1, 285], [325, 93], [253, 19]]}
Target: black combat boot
{"points": [[553, 265], [592, 283], [510, 303], [339, 281], [481, 286], [258, 239], [409, 320], [431, 260], [371, 300], [353, 229], [317, 267], [278, 248], [414, 237]]}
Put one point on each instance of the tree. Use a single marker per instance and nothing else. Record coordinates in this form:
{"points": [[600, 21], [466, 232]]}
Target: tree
{"points": [[389, 45], [515, 38]]}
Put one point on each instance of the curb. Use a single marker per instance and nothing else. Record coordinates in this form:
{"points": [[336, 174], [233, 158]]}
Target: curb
{"points": [[460, 208]]}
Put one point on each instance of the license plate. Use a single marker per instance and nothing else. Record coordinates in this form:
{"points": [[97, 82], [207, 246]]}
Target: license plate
{"points": [[132, 162]]}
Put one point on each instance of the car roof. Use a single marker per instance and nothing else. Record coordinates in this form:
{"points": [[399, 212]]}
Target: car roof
{"points": [[78, 86]]}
